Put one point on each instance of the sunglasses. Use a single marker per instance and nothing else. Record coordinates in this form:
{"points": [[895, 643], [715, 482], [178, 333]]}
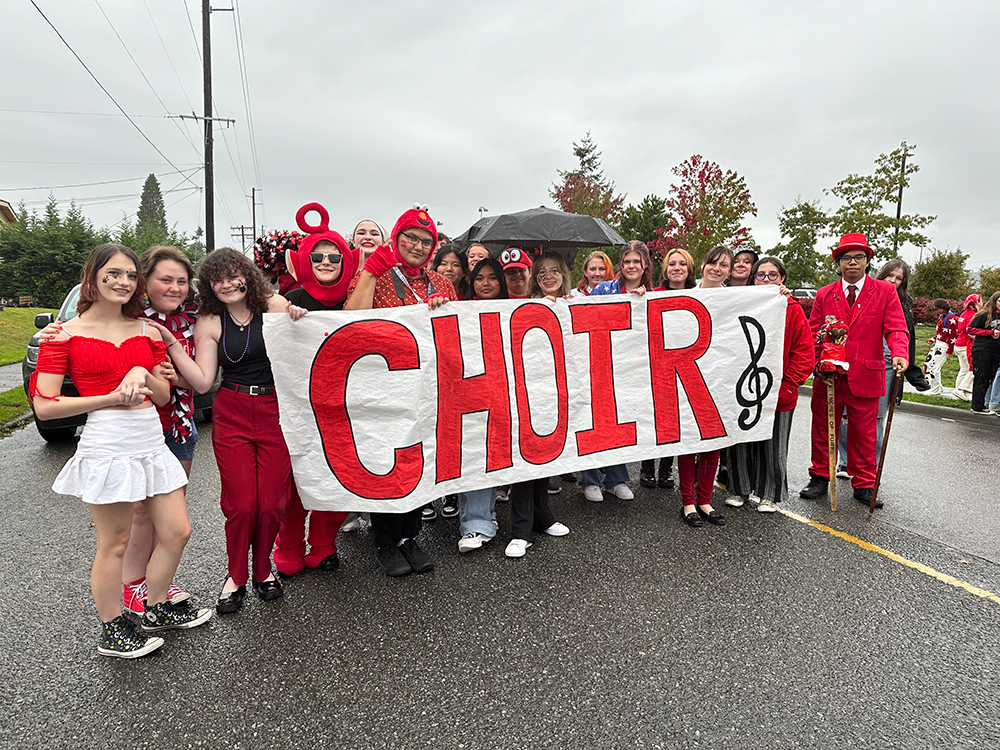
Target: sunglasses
{"points": [[332, 257]]}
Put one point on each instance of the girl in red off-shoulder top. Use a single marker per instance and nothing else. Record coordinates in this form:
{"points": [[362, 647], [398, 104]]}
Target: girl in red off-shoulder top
{"points": [[114, 361]]}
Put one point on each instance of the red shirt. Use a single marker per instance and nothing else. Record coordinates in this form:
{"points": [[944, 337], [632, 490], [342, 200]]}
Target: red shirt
{"points": [[385, 289], [96, 366]]}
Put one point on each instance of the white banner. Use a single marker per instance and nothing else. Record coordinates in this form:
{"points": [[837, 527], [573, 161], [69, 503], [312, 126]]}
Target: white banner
{"points": [[385, 410]]}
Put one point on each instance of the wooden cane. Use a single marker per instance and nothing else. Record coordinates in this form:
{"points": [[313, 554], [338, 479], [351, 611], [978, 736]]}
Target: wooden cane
{"points": [[831, 440], [885, 438]]}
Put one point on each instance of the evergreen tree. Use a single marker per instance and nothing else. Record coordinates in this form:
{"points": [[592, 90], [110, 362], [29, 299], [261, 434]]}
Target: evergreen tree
{"points": [[943, 275], [585, 190]]}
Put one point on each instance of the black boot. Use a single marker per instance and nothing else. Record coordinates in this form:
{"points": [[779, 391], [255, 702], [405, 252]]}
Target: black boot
{"points": [[666, 480], [817, 486], [646, 478]]}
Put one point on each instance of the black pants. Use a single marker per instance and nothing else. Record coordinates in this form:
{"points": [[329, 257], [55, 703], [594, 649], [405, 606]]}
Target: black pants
{"points": [[529, 509], [985, 362], [648, 466], [389, 528]]}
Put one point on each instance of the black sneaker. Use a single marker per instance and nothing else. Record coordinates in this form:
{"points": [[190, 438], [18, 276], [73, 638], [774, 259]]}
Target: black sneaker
{"points": [[666, 480], [420, 561], [554, 489], [167, 616], [646, 474], [817, 486], [428, 513], [449, 509], [120, 638], [392, 561]]}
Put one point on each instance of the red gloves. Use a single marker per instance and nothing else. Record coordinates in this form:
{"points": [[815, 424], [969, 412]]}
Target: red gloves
{"points": [[381, 260]]}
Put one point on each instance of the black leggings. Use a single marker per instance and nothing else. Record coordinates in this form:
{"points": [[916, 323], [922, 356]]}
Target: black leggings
{"points": [[985, 362]]}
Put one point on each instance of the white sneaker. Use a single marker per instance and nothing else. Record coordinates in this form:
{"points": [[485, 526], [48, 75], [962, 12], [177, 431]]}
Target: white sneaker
{"points": [[593, 493], [754, 500], [842, 473], [517, 547], [351, 524], [502, 495], [557, 529], [767, 506], [470, 542], [622, 492], [962, 395], [735, 501]]}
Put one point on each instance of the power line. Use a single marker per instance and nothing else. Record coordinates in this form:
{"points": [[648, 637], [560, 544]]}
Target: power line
{"points": [[166, 111], [101, 85], [98, 199], [91, 184], [82, 114], [94, 163], [167, 53]]}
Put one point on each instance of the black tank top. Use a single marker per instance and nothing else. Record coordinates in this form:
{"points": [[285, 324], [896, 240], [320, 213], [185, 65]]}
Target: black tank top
{"points": [[242, 355]]}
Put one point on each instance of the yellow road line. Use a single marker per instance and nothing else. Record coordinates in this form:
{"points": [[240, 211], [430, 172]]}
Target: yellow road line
{"points": [[943, 577]]}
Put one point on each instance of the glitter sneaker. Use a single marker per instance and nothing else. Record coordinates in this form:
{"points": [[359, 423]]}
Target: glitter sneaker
{"points": [[120, 638], [167, 616]]}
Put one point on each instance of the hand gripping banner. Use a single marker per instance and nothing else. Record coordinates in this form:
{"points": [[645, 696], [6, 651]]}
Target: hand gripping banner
{"points": [[385, 410]]}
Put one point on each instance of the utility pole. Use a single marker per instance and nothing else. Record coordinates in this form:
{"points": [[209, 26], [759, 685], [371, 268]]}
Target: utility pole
{"points": [[206, 54], [899, 206], [253, 200], [242, 231]]}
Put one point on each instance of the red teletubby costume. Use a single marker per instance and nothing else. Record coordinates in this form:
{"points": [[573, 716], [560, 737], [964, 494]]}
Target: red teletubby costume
{"points": [[290, 555]]}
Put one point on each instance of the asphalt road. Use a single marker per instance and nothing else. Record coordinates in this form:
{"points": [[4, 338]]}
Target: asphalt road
{"points": [[633, 631]]}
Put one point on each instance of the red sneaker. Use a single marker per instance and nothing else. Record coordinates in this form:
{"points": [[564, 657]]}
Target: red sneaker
{"points": [[175, 594], [134, 597]]}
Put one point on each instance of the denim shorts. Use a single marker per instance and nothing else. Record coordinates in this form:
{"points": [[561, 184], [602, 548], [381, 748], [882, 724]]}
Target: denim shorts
{"points": [[183, 451]]}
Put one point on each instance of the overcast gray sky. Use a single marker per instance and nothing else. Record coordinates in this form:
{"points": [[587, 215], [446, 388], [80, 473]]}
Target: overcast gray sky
{"points": [[368, 107]]}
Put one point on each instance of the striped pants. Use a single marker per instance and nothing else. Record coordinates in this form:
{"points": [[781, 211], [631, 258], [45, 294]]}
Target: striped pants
{"points": [[761, 468]]}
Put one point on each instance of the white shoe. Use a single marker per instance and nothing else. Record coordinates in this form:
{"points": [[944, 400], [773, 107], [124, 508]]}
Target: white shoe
{"points": [[767, 506], [593, 493], [352, 524], [842, 473], [754, 500], [962, 395], [735, 501], [502, 495], [557, 529], [622, 492], [470, 542], [517, 547]]}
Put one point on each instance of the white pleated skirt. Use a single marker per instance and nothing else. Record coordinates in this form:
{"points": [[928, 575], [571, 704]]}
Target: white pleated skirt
{"points": [[121, 458]]}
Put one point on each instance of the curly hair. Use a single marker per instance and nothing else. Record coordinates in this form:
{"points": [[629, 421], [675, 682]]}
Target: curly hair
{"points": [[99, 257], [221, 264], [534, 290], [156, 253]]}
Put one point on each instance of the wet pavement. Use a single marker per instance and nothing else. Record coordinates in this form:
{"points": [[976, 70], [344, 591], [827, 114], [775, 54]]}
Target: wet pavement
{"points": [[10, 377], [633, 631]]}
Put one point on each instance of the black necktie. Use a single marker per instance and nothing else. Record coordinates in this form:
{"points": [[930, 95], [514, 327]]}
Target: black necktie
{"points": [[852, 295]]}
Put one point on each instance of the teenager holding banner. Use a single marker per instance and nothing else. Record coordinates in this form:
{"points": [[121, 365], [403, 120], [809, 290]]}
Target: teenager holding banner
{"points": [[396, 275], [676, 273], [702, 466], [529, 501], [634, 277], [596, 268], [761, 468], [254, 466], [324, 264]]}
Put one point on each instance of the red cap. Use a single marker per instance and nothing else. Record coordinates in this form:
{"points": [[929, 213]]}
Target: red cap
{"points": [[515, 257]]}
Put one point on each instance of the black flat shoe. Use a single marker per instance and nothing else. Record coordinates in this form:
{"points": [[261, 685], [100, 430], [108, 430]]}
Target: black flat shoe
{"points": [[665, 482], [231, 602], [268, 590], [328, 563], [692, 519], [713, 516], [647, 480]]}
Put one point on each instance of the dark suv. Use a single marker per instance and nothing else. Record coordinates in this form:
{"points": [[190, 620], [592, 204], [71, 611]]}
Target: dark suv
{"points": [[56, 430]]}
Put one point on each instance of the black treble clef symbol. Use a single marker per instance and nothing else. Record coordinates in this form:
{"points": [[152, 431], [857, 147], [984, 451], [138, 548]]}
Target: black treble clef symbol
{"points": [[750, 392]]}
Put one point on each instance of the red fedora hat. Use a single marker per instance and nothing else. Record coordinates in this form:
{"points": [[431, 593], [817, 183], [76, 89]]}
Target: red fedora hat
{"points": [[852, 241]]}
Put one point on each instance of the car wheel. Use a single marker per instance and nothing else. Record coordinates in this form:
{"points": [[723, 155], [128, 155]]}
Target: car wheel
{"points": [[56, 434]]}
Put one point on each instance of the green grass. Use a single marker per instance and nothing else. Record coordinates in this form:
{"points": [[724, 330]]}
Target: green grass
{"points": [[17, 326], [920, 398], [13, 403]]}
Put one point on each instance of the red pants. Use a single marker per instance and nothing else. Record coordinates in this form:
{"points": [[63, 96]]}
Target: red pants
{"points": [[256, 475], [290, 549], [862, 414], [707, 465]]}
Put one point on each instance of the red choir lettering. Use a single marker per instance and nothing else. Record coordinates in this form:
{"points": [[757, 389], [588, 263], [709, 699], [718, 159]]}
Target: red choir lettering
{"points": [[599, 321], [667, 366], [458, 395], [535, 448], [328, 392]]}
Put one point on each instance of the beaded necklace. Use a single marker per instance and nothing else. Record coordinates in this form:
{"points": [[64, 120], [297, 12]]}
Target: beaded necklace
{"points": [[245, 346]]}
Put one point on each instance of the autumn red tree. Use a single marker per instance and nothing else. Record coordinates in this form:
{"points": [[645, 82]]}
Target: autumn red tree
{"points": [[706, 209], [585, 190]]}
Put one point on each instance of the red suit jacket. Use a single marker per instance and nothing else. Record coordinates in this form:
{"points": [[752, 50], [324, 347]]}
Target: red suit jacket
{"points": [[876, 314]]}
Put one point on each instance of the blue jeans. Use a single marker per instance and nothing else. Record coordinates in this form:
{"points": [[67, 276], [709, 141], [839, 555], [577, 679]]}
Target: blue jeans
{"points": [[613, 475], [993, 394], [476, 512]]}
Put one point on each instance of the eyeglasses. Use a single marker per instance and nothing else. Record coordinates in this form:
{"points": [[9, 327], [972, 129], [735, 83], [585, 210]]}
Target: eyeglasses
{"points": [[414, 240], [856, 258], [772, 276], [546, 274], [334, 258]]}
